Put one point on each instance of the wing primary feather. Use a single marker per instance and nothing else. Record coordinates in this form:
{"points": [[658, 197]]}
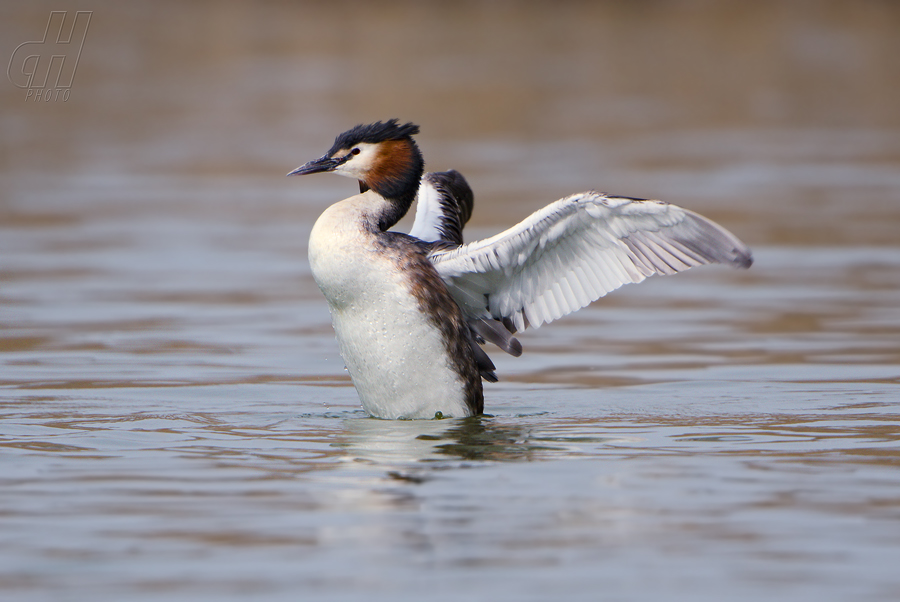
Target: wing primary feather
{"points": [[485, 366], [495, 332]]}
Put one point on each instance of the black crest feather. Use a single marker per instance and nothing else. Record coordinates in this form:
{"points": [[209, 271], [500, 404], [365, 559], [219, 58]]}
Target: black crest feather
{"points": [[374, 133]]}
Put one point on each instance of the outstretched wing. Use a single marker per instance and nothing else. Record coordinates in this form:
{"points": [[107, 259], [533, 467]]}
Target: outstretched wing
{"points": [[576, 250], [444, 205]]}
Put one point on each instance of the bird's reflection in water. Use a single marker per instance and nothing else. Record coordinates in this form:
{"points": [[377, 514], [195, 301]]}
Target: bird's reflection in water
{"points": [[483, 438], [475, 439]]}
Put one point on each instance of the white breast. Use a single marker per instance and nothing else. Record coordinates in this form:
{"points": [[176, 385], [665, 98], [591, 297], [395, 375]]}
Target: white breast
{"points": [[396, 357]]}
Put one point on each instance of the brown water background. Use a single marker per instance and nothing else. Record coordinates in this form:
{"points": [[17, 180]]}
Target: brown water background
{"points": [[175, 421]]}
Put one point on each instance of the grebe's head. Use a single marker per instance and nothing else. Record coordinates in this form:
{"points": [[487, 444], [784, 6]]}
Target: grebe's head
{"points": [[382, 156]]}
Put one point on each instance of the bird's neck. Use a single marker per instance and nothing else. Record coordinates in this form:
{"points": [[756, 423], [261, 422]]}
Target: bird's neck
{"points": [[395, 178]]}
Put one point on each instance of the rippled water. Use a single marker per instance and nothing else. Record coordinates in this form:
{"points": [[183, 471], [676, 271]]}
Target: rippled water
{"points": [[176, 423]]}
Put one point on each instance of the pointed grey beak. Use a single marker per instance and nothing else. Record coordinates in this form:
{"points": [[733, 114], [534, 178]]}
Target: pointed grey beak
{"points": [[319, 165]]}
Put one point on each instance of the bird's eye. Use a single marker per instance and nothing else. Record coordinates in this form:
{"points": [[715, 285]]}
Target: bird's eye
{"points": [[355, 151]]}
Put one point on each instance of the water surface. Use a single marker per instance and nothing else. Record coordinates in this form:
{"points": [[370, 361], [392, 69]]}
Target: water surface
{"points": [[175, 420]]}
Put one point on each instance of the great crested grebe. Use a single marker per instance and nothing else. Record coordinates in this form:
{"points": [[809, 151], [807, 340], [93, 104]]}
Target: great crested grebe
{"points": [[411, 311]]}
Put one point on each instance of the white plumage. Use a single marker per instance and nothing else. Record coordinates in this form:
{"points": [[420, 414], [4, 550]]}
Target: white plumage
{"points": [[430, 212], [576, 250], [380, 327]]}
